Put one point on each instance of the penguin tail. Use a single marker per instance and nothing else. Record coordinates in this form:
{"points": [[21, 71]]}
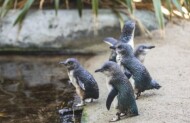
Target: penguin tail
{"points": [[155, 85]]}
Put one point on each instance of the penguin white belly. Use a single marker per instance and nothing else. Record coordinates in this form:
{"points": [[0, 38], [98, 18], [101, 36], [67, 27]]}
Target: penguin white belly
{"points": [[73, 79], [141, 57], [118, 60], [131, 43]]}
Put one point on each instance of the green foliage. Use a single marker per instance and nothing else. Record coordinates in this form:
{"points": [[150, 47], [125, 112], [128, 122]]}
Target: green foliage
{"points": [[116, 5], [80, 7], [56, 6], [129, 5], [23, 12], [158, 12], [5, 8], [177, 5], [95, 6], [187, 4]]}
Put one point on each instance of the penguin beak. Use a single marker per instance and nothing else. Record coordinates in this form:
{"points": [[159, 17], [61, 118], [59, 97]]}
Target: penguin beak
{"points": [[112, 47], [150, 47], [99, 70], [63, 62]]}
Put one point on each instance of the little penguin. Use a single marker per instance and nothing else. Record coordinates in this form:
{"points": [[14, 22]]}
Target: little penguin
{"points": [[141, 76], [126, 36], [84, 83], [141, 51], [122, 88]]}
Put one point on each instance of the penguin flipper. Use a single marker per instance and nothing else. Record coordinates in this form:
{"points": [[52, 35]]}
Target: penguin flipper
{"points": [[127, 73], [110, 97], [110, 41], [81, 84]]}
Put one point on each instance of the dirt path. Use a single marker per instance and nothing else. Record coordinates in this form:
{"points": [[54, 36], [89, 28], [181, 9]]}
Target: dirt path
{"points": [[169, 64]]}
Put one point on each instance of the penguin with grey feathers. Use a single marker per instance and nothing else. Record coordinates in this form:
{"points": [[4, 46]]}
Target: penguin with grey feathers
{"points": [[84, 83], [141, 51], [141, 76], [127, 36], [121, 88]]}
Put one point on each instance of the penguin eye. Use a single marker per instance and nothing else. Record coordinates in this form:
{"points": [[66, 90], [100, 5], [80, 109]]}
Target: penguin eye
{"points": [[119, 47], [70, 63], [106, 68]]}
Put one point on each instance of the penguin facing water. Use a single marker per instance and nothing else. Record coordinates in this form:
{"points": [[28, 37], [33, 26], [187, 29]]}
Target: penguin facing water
{"points": [[122, 88], [141, 76], [84, 83]]}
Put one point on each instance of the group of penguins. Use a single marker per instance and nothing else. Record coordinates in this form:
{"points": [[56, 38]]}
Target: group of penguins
{"points": [[123, 64]]}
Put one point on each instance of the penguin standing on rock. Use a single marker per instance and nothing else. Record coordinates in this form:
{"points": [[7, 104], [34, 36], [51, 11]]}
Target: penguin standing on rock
{"points": [[141, 76], [84, 83], [122, 88]]}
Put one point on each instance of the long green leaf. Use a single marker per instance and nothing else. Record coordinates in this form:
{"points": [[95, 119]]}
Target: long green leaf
{"points": [[177, 5], [5, 8], [169, 7], [80, 7], [56, 6], [127, 4], [187, 5], [121, 20], [95, 6], [158, 12], [130, 6], [23, 12]]}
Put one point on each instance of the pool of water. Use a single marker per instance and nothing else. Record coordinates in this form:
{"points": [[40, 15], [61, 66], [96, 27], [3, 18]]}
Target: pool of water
{"points": [[34, 89]]}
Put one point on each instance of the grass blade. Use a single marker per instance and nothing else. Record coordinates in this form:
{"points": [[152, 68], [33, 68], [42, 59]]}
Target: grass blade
{"points": [[130, 6], [95, 6], [169, 7], [177, 5], [80, 7], [121, 20], [5, 8], [158, 12], [56, 6], [23, 12], [187, 5]]}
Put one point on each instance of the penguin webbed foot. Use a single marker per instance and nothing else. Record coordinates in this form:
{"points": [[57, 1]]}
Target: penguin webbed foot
{"points": [[138, 95], [117, 118], [80, 104], [89, 100], [122, 114]]}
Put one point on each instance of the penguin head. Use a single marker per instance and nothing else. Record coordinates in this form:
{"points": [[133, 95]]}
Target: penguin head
{"points": [[108, 68], [128, 27], [123, 49], [70, 63], [143, 49]]}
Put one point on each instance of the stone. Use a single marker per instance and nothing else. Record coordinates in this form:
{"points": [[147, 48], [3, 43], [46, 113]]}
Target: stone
{"points": [[43, 29]]}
